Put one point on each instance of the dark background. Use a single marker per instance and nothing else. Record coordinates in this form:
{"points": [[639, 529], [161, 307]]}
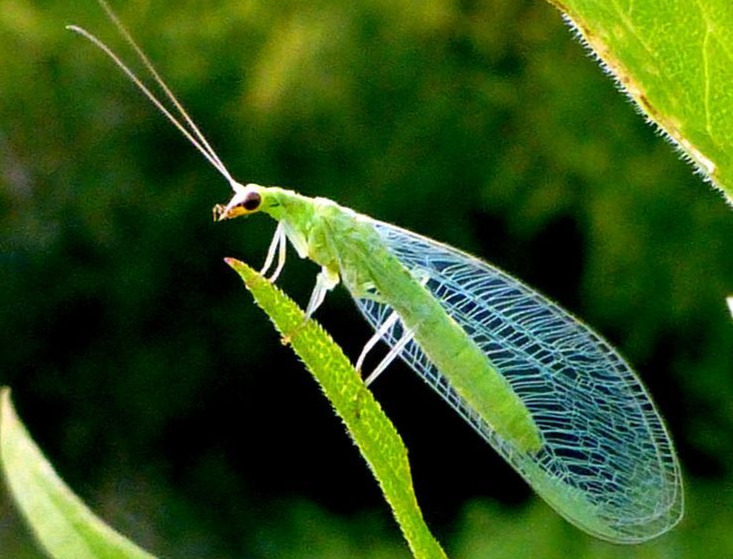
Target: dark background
{"points": [[162, 394]]}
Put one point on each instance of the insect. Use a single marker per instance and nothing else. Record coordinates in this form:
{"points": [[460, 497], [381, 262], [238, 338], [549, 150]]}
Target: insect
{"points": [[547, 392]]}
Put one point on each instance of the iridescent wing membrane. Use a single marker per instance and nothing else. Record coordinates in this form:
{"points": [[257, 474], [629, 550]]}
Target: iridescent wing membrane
{"points": [[607, 463]]}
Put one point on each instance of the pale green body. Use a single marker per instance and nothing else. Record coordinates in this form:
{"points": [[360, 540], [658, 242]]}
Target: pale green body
{"points": [[346, 245]]}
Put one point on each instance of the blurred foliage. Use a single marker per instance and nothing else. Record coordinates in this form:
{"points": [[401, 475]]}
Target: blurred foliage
{"points": [[147, 374], [62, 525]]}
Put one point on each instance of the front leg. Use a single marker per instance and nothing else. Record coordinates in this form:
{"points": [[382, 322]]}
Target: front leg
{"points": [[279, 246]]}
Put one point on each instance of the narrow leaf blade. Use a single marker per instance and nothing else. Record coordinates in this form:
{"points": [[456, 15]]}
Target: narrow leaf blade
{"points": [[371, 430]]}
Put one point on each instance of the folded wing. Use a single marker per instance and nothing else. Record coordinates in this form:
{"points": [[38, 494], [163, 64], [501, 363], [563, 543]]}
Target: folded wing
{"points": [[607, 464]]}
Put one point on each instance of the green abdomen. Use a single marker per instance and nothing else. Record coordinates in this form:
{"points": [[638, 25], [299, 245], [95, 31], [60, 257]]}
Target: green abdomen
{"points": [[364, 262], [454, 353]]}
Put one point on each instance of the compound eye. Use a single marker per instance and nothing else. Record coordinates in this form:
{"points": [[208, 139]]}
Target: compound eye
{"points": [[251, 201]]}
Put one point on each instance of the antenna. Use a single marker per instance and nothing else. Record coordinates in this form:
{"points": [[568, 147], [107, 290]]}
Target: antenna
{"points": [[185, 125]]}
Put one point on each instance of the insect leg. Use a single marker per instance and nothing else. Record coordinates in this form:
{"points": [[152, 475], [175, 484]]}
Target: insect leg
{"points": [[278, 241], [383, 329], [391, 356], [423, 278], [280, 256], [325, 281]]}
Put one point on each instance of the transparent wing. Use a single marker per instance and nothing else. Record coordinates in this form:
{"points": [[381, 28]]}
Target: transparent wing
{"points": [[607, 463]]}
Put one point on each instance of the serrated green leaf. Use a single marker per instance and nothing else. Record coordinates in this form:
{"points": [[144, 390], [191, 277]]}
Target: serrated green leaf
{"points": [[675, 59], [61, 522], [371, 430]]}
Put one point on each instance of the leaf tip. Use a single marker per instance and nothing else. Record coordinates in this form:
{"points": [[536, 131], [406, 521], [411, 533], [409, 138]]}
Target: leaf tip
{"points": [[248, 275]]}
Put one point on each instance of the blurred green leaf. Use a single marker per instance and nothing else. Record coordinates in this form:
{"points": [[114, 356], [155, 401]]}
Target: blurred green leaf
{"points": [[675, 59], [374, 434], [64, 526]]}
